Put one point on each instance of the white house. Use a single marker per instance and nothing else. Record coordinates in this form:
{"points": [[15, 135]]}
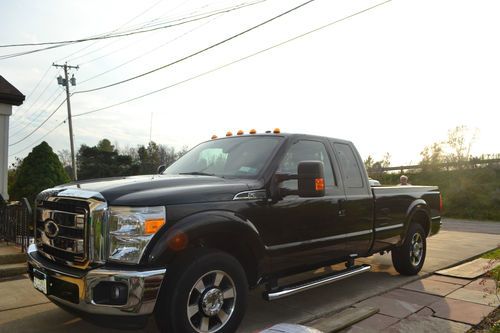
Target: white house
{"points": [[9, 96]]}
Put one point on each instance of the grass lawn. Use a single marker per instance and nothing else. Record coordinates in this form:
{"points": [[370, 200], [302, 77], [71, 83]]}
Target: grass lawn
{"points": [[495, 254], [490, 324]]}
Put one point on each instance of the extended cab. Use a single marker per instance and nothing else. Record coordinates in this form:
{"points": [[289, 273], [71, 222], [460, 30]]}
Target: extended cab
{"points": [[233, 213]]}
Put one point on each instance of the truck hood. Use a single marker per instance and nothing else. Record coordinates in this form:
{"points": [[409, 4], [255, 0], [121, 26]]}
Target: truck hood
{"points": [[156, 190]]}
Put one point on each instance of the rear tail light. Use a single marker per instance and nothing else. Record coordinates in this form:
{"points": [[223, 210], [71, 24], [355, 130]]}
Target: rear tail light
{"points": [[440, 202]]}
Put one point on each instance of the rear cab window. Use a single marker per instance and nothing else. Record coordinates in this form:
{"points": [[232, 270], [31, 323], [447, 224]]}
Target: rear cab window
{"points": [[351, 172]]}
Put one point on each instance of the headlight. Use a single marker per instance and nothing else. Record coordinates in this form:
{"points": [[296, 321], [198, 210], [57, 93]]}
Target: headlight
{"points": [[131, 229]]}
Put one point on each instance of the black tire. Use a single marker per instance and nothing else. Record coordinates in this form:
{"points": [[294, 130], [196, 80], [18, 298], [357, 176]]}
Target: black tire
{"points": [[184, 301], [409, 258]]}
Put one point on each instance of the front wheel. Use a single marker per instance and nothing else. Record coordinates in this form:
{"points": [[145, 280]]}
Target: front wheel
{"points": [[409, 258], [206, 292]]}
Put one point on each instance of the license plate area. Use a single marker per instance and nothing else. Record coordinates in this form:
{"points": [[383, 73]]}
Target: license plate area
{"points": [[40, 281]]}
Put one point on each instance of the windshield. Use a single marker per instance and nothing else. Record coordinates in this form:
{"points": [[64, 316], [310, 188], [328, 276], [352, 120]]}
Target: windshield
{"points": [[236, 157]]}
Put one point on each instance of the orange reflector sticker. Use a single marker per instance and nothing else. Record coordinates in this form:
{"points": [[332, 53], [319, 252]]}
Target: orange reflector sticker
{"points": [[320, 184], [178, 242], [152, 226]]}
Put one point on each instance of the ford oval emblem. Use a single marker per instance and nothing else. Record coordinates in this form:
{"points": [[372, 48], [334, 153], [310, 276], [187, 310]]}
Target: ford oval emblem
{"points": [[51, 229]]}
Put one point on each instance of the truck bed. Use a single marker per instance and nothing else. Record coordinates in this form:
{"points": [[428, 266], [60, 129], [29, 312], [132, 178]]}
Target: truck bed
{"points": [[393, 205]]}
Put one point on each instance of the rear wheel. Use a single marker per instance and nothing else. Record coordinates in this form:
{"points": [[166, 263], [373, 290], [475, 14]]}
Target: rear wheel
{"points": [[409, 258], [205, 292]]}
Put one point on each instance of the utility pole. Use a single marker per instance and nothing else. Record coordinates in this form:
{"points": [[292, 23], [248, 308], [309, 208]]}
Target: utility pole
{"points": [[65, 82]]}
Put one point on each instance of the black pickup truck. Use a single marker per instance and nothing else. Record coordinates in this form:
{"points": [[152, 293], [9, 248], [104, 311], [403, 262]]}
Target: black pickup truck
{"points": [[233, 213]]}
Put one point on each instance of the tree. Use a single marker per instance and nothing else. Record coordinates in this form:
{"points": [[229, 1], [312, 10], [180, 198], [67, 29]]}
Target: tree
{"points": [[154, 155], [65, 158], [432, 157], [386, 160], [12, 172], [103, 160], [149, 158], [455, 150], [40, 170], [369, 162], [105, 146], [460, 140]]}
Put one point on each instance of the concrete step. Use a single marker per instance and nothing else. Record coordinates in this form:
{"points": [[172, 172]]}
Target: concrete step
{"points": [[12, 258], [10, 270]]}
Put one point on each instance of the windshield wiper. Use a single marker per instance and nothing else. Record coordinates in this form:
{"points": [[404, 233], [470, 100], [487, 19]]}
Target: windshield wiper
{"points": [[196, 173]]}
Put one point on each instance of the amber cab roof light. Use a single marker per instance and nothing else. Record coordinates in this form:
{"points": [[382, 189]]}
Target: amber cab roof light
{"points": [[214, 137], [276, 131], [240, 132], [229, 133], [253, 131]]}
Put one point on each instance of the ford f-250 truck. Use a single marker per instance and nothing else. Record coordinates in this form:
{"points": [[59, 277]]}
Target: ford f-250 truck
{"points": [[233, 213]]}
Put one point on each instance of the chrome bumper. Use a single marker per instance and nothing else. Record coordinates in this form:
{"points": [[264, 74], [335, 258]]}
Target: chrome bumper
{"points": [[143, 286]]}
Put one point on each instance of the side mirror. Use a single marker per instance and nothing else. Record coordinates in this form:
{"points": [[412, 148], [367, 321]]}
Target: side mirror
{"points": [[161, 168], [311, 179]]}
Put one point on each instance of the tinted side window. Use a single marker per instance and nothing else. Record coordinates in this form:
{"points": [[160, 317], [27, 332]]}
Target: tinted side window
{"points": [[306, 150], [350, 168]]}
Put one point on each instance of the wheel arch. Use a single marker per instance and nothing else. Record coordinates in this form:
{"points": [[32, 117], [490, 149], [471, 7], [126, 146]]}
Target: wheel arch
{"points": [[418, 212], [221, 230]]}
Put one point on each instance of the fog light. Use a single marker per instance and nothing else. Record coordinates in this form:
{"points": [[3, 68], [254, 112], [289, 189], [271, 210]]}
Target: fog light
{"points": [[118, 291], [110, 293]]}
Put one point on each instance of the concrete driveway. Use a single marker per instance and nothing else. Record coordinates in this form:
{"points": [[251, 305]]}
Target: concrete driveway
{"points": [[22, 309]]}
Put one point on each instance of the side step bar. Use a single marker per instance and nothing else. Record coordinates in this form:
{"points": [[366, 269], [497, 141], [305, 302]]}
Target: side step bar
{"points": [[295, 288]]}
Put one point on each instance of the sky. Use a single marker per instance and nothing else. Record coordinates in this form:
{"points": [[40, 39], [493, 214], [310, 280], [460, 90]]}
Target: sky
{"points": [[392, 79]]}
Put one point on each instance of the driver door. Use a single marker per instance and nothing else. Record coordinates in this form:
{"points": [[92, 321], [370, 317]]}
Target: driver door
{"points": [[302, 230]]}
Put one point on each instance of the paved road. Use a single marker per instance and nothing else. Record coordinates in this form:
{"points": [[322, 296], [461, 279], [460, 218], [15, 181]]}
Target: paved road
{"points": [[22, 309]]}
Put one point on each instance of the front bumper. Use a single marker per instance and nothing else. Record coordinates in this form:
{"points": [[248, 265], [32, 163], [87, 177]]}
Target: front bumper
{"points": [[74, 288]]}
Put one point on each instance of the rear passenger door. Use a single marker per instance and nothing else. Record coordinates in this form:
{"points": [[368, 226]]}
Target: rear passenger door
{"points": [[358, 207]]}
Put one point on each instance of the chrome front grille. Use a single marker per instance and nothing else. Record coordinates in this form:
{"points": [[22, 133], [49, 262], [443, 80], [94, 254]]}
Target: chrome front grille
{"points": [[61, 230]]}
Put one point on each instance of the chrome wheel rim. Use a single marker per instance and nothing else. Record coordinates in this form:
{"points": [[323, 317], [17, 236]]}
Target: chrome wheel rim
{"points": [[417, 249], [211, 302]]}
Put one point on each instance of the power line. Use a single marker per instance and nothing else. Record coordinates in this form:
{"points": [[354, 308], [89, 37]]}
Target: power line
{"points": [[17, 123], [133, 43], [35, 116], [147, 52], [36, 86], [39, 126], [202, 50], [125, 34], [19, 54], [217, 68], [38, 140], [121, 26], [36, 101], [235, 61], [195, 15]]}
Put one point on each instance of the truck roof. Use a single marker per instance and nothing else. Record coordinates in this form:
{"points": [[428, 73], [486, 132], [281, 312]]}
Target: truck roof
{"points": [[286, 135]]}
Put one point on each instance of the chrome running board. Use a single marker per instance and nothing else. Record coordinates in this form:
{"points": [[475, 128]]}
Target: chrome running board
{"points": [[280, 292]]}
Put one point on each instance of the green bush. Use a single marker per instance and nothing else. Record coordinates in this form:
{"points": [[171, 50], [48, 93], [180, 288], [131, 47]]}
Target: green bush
{"points": [[467, 193], [40, 170]]}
